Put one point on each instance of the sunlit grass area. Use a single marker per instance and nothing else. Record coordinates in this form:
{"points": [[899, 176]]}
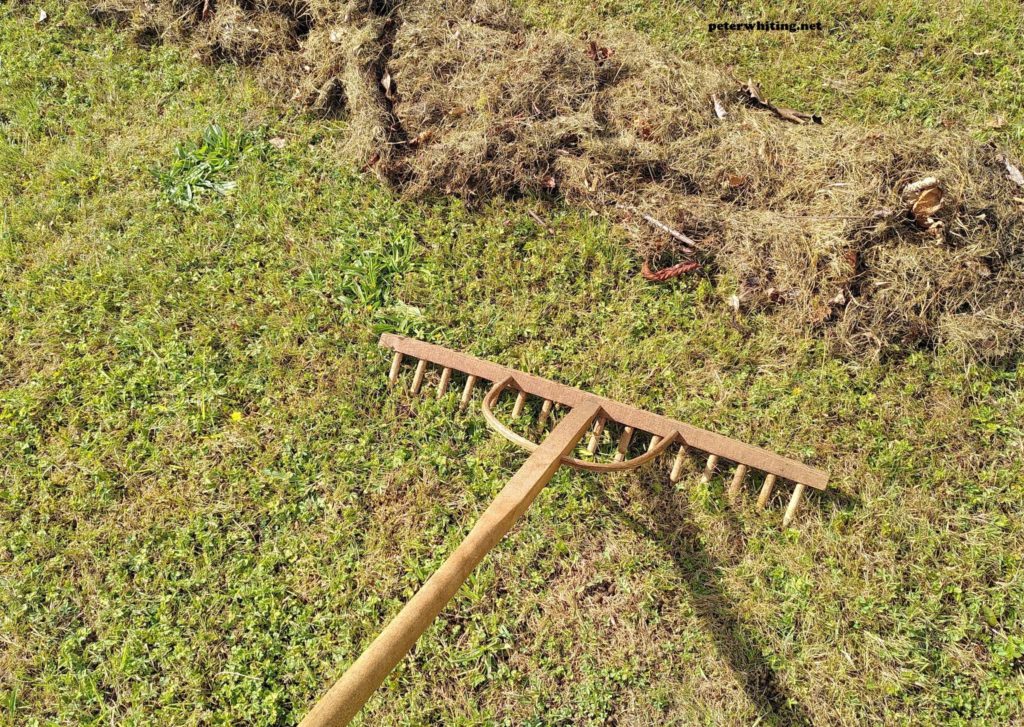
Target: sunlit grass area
{"points": [[210, 500]]}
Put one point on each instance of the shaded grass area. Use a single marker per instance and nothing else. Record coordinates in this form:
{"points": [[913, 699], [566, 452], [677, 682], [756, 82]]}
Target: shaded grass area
{"points": [[210, 502]]}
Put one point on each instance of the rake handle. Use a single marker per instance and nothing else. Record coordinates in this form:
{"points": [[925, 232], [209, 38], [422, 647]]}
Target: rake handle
{"points": [[343, 700]]}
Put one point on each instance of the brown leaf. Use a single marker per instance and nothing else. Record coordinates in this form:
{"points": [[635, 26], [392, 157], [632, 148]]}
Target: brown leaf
{"points": [[421, 138], [924, 199], [598, 54], [643, 129], [374, 158], [674, 271], [550, 182], [775, 295], [754, 93], [735, 181], [928, 202], [278, 142]]}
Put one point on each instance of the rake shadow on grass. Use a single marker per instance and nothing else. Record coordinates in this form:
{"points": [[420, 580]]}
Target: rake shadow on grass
{"points": [[673, 530]]}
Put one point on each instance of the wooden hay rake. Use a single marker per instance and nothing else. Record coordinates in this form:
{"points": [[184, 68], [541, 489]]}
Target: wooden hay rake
{"points": [[642, 432]]}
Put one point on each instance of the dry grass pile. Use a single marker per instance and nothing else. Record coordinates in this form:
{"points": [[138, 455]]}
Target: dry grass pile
{"points": [[459, 97]]}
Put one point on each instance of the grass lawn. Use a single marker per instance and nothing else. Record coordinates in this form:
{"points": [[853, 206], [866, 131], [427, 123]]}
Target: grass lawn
{"points": [[210, 501]]}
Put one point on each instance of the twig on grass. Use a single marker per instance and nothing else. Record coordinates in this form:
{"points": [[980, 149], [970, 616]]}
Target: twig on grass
{"points": [[691, 245], [537, 218]]}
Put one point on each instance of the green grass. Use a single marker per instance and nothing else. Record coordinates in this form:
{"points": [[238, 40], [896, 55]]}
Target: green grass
{"points": [[201, 168], [210, 502]]}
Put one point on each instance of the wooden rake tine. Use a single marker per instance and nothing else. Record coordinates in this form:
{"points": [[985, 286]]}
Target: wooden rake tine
{"points": [[586, 413]]}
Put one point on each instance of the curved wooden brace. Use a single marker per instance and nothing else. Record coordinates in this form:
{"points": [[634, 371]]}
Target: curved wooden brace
{"points": [[530, 446]]}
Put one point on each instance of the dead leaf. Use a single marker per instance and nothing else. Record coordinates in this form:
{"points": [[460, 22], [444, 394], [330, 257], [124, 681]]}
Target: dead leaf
{"points": [[828, 311], [550, 182], [598, 54], [754, 93], [997, 122], [775, 295], [42, 16], [374, 158], [389, 86], [924, 199], [644, 129], [736, 181], [720, 111], [928, 202], [421, 138], [1012, 171], [674, 271], [278, 142]]}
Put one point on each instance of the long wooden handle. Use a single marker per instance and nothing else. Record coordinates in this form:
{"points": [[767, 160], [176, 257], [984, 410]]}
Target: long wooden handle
{"points": [[343, 700]]}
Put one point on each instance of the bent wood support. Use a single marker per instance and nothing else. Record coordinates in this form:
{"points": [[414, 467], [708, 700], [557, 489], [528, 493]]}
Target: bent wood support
{"points": [[350, 692]]}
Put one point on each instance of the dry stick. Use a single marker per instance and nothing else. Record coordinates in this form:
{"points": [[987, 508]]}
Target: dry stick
{"points": [[766, 490], [349, 693], [542, 223], [442, 385], [690, 244], [737, 480], [654, 442], [794, 503], [467, 392], [417, 379]]}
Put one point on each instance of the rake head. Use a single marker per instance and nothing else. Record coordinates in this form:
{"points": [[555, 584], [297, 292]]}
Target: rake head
{"points": [[622, 437], [639, 436]]}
